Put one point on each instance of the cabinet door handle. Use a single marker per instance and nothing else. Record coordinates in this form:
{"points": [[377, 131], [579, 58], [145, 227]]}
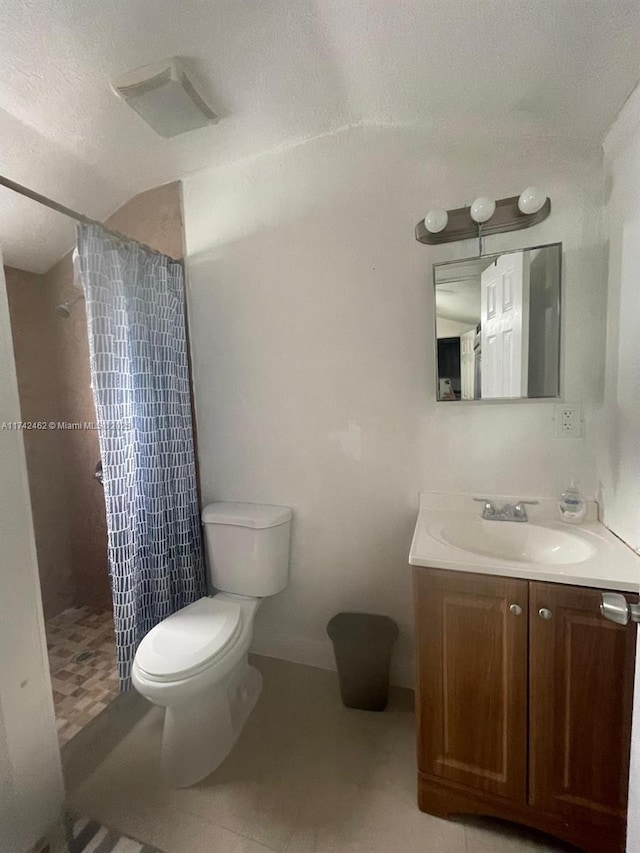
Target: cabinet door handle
{"points": [[515, 609], [616, 608], [545, 613]]}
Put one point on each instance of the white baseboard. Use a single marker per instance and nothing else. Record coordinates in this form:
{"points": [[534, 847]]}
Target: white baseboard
{"points": [[320, 655]]}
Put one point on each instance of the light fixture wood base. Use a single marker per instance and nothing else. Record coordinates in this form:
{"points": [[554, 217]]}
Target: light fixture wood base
{"points": [[462, 227]]}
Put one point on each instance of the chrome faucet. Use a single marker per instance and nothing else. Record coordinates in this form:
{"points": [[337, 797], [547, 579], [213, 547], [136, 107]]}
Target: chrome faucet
{"points": [[509, 512]]}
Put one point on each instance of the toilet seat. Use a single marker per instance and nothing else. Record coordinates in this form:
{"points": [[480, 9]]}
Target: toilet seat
{"points": [[190, 640]]}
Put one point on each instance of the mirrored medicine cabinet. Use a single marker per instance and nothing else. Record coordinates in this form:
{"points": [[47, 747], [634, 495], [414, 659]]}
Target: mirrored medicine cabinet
{"points": [[498, 325]]}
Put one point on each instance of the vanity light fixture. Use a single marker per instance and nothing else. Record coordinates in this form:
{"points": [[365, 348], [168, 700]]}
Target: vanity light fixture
{"points": [[531, 200], [482, 209], [485, 216], [436, 220]]}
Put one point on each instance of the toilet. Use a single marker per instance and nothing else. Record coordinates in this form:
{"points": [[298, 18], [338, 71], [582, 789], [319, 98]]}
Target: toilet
{"points": [[195, 662]]}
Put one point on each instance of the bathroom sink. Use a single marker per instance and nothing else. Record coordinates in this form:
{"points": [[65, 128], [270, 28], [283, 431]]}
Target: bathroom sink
{"points": [[450, 534], [528, 543]]}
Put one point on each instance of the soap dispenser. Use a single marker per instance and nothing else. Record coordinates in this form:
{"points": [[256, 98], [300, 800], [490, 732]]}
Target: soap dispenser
{"points": [[572, 506]]}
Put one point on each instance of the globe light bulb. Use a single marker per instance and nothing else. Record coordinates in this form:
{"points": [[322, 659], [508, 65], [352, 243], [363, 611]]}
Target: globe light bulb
{"points": [[531, 200], [482, 209], [436, 220]]}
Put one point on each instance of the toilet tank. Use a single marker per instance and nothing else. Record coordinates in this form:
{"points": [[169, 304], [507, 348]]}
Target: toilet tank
{"points": [[247, 547]]}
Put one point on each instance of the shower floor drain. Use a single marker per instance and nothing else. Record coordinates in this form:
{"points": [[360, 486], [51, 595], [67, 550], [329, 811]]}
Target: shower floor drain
{"points": [[81, 657]]}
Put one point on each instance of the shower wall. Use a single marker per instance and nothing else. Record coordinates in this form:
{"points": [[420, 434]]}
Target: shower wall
{"points": [[52, 360], [36, 348]]}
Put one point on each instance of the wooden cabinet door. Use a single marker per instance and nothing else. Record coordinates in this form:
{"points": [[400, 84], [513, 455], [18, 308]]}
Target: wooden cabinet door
{"points": [[472, 680], [581, 691]]}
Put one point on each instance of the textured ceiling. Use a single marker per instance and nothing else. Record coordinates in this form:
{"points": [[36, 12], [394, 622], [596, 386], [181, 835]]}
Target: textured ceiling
{"points": [[280, 71]]}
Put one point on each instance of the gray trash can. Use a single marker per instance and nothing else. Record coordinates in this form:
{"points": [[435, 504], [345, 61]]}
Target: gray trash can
{"points": [[362, 643]]}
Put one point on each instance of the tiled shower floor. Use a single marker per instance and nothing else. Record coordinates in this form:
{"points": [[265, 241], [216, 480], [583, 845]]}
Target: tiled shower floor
{"points": [[82, 660]]}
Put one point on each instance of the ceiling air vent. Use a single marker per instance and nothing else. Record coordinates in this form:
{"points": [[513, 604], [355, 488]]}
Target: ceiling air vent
{"points": [[165, 97]]}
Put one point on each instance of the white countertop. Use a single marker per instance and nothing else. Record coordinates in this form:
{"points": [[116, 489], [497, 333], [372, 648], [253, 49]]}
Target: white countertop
{"points": [[611, 563]]}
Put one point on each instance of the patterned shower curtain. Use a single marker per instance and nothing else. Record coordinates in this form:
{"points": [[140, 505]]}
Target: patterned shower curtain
{"points": [[140, 382]]}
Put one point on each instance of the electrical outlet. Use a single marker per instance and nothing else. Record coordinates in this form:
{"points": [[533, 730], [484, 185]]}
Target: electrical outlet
{"points": [[568, 420]]}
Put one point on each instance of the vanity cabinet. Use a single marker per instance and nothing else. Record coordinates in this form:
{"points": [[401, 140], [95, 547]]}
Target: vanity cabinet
{"points": [[524, 695]]}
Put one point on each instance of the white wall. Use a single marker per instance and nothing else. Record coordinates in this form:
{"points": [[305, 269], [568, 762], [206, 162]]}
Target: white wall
{"points": [[31, 789], [451, 328], [311, 312], [619, 467], [619, 461]]}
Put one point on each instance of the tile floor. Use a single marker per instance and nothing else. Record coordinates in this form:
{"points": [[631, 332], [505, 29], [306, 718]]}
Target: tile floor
{"points": [[306, 776], [82, 661]]}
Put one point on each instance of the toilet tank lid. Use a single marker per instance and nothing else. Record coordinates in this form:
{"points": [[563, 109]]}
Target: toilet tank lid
{"points": [[245, 515]]}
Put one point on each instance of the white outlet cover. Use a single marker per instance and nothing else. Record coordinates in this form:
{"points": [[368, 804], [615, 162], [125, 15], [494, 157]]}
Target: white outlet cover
{"points": [[568, 420]]}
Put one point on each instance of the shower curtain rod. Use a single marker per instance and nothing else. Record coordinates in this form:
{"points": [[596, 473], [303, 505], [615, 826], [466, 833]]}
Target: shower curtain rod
{"points": [[73, 214]]}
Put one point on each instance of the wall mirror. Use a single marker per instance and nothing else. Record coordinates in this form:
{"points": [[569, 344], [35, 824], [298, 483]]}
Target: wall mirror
{"points": [[498, 325]]}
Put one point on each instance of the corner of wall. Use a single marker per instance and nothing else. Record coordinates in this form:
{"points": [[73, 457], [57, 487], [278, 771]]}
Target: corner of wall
{"points": [[30, 769], [626, 125]]}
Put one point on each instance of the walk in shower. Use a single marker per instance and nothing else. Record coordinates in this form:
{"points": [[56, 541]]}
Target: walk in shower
{"points": [[49, 331], [51, 348]]}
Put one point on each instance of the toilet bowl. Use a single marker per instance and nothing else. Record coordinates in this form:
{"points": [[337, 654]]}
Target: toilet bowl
{"points": [[195, 662], [195, 665]]}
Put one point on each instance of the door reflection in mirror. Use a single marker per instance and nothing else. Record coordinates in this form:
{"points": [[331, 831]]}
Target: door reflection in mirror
{"points": [[498, 325]]}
